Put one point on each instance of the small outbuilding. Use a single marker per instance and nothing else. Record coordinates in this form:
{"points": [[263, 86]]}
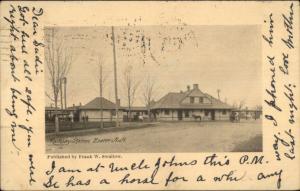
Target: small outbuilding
{"points": [[92, 110]]}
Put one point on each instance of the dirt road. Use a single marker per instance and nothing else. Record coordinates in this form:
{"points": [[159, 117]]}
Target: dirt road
{"points": [[165, 137]]}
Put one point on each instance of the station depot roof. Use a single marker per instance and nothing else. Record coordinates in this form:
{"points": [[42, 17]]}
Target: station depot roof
{"points": [[96, 104], [174, 100]]}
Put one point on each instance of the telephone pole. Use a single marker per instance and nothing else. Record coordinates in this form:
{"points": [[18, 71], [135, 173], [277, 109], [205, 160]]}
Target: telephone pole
{"points": [[61, 93], [218, 90], [115, 76], [65, 91], [101, 90]]}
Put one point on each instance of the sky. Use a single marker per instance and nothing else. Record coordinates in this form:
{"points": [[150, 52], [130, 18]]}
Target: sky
{"points": [[215, 57]]}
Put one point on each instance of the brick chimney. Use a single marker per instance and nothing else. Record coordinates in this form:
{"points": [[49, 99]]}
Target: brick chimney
{"points": [[195, 86], [188, 87]]}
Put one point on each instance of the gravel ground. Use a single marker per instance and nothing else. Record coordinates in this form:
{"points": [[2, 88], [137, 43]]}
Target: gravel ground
{"points": [[166, 137]]}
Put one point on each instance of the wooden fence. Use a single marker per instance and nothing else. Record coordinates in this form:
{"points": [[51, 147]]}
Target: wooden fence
{"points": [[69, 126]]}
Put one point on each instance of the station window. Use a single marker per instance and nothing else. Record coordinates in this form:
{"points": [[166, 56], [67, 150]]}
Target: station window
{"points": [[200, 99], [192, 99], [167, 112], [224, 112]]}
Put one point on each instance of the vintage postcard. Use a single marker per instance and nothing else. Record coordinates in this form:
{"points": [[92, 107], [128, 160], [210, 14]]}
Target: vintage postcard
{"points": [[185, 95]]}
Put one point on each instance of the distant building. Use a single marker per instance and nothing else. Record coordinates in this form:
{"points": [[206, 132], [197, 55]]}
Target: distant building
{"points": [[189, 105], [136, 112], [63, 114], [192, 104], [254, 113], [92, 112]]}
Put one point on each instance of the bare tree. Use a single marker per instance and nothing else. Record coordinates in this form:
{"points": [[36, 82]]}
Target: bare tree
{"points": [[149, 93], [234, 105], [258, 111], [258, 107], [241, 104], [101, 78], [131, 84], [58, 61]]}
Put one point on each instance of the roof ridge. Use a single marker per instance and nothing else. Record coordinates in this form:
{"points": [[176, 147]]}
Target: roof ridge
{"points": [[188, 93], [95, 103], [220, 101]]}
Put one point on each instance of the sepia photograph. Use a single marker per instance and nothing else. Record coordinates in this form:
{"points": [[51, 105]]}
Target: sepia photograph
{"points": [[149, 95], [152, 89]]}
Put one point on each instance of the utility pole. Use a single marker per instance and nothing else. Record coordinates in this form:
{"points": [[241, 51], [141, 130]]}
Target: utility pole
{"points": [[218, 90], [61, 93], [101, 90], [56, 119], [65, 91], [115, 75]]}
